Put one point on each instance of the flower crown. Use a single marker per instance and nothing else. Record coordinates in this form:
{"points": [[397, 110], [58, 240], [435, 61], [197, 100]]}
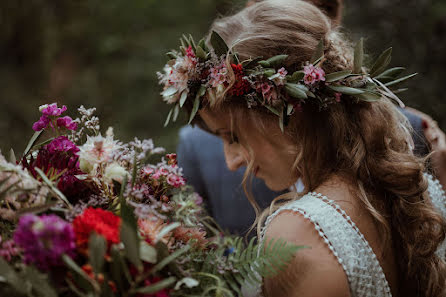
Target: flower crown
{"points": [[197, 73]]}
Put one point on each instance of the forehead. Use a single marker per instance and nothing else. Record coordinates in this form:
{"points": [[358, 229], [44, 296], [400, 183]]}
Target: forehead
{"points": [[215, 120]]}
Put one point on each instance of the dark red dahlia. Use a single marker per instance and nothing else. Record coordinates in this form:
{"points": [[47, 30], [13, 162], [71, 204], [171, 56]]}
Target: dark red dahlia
{"points": [[241, 86]]}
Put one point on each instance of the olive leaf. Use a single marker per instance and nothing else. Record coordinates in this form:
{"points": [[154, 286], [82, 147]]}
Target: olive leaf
{"points": [[359, 56], [346, 90], [368, 96], [196, 106], [295, 91], [337, 75], [97, 246], [200, 53], [219, 45], [399, 80], [392, 72], [176, 111], [168, 118], [381, 63], [276, 60], [31, 142], [183, 98], [319, 53]]}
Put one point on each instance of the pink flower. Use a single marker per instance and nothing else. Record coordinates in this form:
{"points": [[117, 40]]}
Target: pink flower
{"points": [[175, 180], [190, 52], [218, 75], [313, 74], [41, 124], [52, 110], [66, 122], [268, 91]]}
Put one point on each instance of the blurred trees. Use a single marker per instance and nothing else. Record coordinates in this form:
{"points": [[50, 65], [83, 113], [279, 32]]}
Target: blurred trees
{"points": [[106, 54]]}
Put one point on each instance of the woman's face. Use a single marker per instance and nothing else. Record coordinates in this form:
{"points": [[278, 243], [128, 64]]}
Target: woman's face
{"points": [[272, 159]]}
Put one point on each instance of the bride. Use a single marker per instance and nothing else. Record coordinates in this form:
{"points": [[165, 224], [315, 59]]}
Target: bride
{"points": [[372, 219]]}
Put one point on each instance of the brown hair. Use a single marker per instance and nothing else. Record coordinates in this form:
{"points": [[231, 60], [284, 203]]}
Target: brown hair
{"points": [[366, 142]]}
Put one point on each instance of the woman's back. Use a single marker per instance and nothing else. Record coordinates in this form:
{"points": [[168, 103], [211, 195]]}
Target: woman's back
{"points": [[350, 265]]}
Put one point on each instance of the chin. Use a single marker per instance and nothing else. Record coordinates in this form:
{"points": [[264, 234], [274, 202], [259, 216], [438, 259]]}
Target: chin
{"points": [[275, 186]]}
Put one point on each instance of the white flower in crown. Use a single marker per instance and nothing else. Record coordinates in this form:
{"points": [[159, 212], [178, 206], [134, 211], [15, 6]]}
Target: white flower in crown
{"points": [[176, 74]]}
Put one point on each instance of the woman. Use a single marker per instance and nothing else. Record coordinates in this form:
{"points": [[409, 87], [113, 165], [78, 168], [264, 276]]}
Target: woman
{"points": [[380, 232]]}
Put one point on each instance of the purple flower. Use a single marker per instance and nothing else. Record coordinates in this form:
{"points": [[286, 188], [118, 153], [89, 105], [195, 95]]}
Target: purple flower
{"points": [[8, 249], [62, 144], [66, 122], [52, 110], [41, 124], [44, 240]]}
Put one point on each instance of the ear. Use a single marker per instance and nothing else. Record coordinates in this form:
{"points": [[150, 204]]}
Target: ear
{"points": [[332, 8]]}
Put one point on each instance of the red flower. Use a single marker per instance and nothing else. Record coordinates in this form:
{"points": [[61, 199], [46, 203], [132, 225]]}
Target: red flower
{"points": [[96, 220], [241, 85]]}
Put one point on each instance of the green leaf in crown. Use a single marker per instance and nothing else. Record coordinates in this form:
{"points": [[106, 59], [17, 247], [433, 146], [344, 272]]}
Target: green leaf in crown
{"points": [[197, 73]]}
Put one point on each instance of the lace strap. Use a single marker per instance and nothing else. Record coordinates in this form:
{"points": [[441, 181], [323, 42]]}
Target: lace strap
{"points": [[438, 198], [351, 249]]}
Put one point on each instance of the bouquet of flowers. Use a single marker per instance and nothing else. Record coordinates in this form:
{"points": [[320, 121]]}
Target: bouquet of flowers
{"points": [[83, 214]]}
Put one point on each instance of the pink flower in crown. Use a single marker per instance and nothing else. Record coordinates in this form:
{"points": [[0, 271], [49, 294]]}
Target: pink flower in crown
{"points": [[313, 74], [175, 180], [269, 92], [147, 171], [218, 75], [41, 124], [190, 52], [279, 77]]}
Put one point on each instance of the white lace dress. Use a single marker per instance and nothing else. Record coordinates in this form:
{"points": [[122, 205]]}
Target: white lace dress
{"points": [[364, 273]]}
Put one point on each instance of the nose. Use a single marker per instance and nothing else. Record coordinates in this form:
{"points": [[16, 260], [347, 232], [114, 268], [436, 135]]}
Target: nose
{"points": [[234, 157]]}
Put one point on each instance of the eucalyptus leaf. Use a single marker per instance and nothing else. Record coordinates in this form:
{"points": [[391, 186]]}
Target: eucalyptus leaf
{"points": [[169, 115], [359, 56], [281, 120], [319, 53], [200, 53], [276, 60], [264, 63], [31, 142], [39, 282], [11, 277], [131, 244], [166, 230], [218, 44], [346, 90], [298, 75], [392, 72], [269, 72], [381, 63], [147, 252], [176, 111], [58, 193], [97, 246], [172, 55], [169, 258], [290, 108], [12, 158], [369, 97], [195, 108], [202, 44], [119, 269], [84, 280], [400, 80], [156, 287], [183, 98], [337, 75], [250, 62], [272, 109], [169, 92], [400, 90], [295, 91]]}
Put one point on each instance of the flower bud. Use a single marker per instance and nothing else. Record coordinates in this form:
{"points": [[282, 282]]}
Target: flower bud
{"points": [[116, 172]]}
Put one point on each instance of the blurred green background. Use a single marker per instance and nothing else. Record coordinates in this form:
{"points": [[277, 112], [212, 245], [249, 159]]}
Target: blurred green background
{"points": [[106, 53]]}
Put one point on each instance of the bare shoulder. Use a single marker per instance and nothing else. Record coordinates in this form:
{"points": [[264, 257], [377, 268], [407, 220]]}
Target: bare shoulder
{"points": [[314, 271]]}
